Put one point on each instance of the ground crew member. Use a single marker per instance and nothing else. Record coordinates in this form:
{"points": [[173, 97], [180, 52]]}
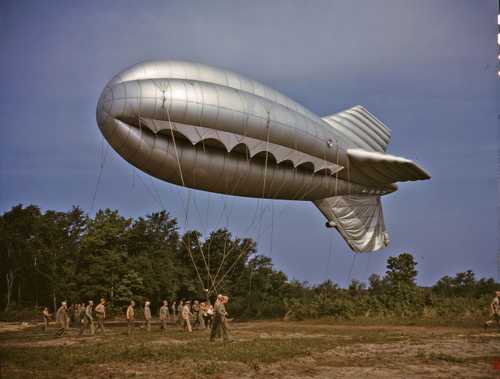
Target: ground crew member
{"points": [[62, 319], [217, 319], [495, 311], [186, 314], [46, 317], [180, 307], [88, 319], [147, 315], [100, 314], [210, 315], [79, 315], [203, 315], [130, 317], [224, 325], [164, 315], [196, 314], [174, 311]]}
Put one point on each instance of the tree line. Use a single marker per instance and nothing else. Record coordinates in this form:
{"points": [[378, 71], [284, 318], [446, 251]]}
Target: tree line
{"points": [[47, 257]]}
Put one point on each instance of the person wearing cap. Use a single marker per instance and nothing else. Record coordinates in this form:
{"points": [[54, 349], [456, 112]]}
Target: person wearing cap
{"points": [[147, 315], [196, 314], [224, 324], [79, 316], [130, 316], [219, 313], [46, 318], [88, 319], [173, 307], [100, 313], [164, 315], [210, 315], [62, 319], [494, 311], [203, 314], [180, 307], [186, 314]]}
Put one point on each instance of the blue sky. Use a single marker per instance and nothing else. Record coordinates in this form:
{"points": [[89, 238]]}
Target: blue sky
{"points": [[426, 68]]}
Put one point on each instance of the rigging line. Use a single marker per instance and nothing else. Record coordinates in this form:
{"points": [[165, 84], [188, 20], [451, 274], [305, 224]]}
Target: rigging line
{"points": [[368, 261], [239, 256], [205, 262], [257, 237], [330, 251], [175, 148], [159, 199], [156, 191], [235, 261], [151, 193], [254, 216], [99, 177], [200, 245], [183, 183], [225, 241], [337, 172], [194, 263], [234, 245], [352, 268], [187, 208], [272, 230], [225, 254], [268, 128], [228, 215]]}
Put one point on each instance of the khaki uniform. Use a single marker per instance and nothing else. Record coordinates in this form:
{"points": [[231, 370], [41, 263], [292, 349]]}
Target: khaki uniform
{"points": [[164, 314], [62, 320], [87, 321], [219, 325], [130, 319], [186, 314], [147, 317], [100, 315], [495, 311], [180, 307], [80, 314], [174, 312], [46, 316]]}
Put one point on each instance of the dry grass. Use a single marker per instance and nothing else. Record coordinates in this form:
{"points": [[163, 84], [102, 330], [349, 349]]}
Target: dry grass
{"points": [[317, 349]]}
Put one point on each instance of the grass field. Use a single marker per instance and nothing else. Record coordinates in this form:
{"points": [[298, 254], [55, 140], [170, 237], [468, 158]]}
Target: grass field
{"points": [[277, 349]]}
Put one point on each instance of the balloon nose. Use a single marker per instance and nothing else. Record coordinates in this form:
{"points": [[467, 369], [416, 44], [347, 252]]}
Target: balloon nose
{"points": [[104, 106]]}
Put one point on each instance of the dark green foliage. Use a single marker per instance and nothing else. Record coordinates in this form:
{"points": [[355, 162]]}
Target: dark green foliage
{"points": [[396, 295], [54, 256]]}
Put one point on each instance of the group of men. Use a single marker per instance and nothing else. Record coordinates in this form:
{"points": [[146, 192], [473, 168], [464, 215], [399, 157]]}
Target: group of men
{"points": [[198, 315], [81, 314]]}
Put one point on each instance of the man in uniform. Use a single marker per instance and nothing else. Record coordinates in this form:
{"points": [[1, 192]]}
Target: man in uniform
{"points": [[100, 314], [180, 307], [46, 317], [495, 311], [196, 314], [186, 315], [174, 311], [88, 319], [80, 313], [147, 315], [130, 317], [224, 325], [217, 320], [62, 319], [164, 315]]}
